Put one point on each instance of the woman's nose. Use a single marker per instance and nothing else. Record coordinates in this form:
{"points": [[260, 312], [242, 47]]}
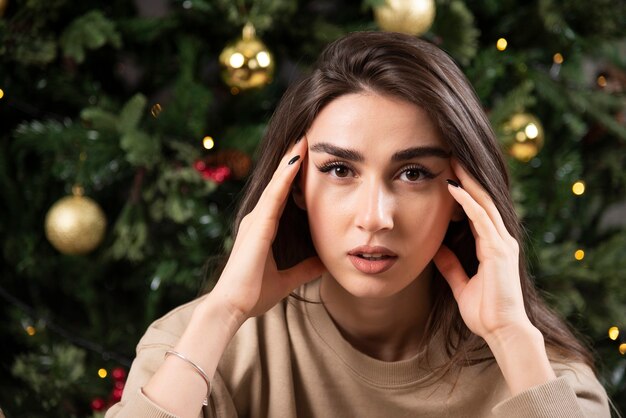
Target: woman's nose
{"points": [[374, 211]]}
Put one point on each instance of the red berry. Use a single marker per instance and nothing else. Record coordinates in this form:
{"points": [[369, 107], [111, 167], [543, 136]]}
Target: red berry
{"points": [[97, 404], [118, 373], [117, 394], [199, 165]]}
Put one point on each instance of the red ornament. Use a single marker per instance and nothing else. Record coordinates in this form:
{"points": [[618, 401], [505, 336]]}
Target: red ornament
{"points": [[97, 404]]}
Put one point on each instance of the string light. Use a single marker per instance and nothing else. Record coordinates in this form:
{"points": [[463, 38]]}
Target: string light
{"points": [[1, 93], [208, 142], [102, 373], [234, 91], [501, 44], [30, 330], [557, 58], [579, 255], [578, 188], [613, 333], [601, 80], [622, 348]]}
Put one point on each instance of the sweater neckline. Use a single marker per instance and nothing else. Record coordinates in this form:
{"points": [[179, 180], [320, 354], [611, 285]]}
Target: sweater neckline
{"points": [[374, 371]]}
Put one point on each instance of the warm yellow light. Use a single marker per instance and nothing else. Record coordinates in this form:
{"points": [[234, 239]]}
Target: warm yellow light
{"points": [[601, 81], [208, 142], [501, 44], [263, 59], [579, 255], [234, 91], [578, 188], [531, 131], [102, 373], [557, 58], [236, 60], [1, 93], [30, 330], [613, 333], [622, 348]]}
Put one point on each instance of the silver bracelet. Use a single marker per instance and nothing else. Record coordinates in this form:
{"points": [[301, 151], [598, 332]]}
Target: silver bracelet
{"points": [[198, 369]]}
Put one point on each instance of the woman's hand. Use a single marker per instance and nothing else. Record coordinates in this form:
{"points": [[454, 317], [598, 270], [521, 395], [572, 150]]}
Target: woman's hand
{"points": [[491, 302], [251, 284]]}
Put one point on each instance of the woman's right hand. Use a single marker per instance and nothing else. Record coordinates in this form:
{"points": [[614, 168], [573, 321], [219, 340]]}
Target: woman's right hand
{"points": [[251, 284]]}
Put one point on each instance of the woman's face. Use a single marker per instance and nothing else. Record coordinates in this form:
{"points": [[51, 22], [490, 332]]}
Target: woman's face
{"points": [[374, 187]]}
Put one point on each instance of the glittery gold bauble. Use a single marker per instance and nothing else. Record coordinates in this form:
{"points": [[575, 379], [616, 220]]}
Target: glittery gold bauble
{"points": [[247, 63], [75, 224], [412, 17], [523, 136]]}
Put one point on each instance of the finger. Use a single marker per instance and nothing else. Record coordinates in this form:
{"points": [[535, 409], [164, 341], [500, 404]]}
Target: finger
{"points": [[262, 221], [481, 196], [303, 272], [273, 198], [451, 269], [484, 227]]}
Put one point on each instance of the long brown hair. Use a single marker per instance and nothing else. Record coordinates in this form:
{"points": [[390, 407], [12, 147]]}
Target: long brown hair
{"points": [[416, 71]]}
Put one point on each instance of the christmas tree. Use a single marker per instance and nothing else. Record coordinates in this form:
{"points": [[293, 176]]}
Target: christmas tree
{"points": [[128, 129]]}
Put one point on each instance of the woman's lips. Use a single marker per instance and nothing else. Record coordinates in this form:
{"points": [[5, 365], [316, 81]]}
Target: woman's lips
{"points": [[372, 259]]}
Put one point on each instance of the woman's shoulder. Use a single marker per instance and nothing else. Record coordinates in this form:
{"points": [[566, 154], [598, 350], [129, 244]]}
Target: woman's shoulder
{"points": [[166, 330]]}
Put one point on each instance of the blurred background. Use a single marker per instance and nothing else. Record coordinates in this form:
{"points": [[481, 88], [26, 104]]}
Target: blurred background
{"points": [[129, 127]]}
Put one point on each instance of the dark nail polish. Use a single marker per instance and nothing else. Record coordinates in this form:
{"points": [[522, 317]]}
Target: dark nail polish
{"points": [[294, 159], [453, 183]]}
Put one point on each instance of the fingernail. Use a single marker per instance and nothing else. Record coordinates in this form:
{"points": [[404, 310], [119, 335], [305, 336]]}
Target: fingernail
{"points": [[293, 160], [453, 183]]}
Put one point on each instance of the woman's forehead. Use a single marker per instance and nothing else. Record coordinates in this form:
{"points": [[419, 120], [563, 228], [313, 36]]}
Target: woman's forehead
{"points": [[368, 119]]}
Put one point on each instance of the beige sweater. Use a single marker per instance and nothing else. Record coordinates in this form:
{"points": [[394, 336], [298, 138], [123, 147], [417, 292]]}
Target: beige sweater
{"points": [[293, 362]]}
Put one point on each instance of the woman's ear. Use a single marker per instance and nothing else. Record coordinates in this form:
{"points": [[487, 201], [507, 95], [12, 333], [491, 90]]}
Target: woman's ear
{"points": [[297, 194], [458, 214]]}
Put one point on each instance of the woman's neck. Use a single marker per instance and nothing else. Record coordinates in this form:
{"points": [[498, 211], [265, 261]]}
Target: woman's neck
{"points": [[390, 328]]}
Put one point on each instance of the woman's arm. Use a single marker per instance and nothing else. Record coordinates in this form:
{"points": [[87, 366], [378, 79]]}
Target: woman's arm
{"points": [[521, 354], [176, 386], [250, 285], [491, 302]]}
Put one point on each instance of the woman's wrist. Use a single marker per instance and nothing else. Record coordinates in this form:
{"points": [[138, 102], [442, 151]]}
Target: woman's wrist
{"points": [[213, 308], [521, 355]]}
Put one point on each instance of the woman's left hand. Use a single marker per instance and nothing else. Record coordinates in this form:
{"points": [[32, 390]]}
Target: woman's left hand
{"points": [[490, 302]]}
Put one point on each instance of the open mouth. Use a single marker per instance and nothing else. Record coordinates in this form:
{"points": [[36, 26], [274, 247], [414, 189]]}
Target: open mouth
{"points": [[372, 259]]}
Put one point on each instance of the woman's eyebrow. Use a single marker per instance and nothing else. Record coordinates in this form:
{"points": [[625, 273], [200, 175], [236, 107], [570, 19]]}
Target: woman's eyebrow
{"points": [[417, 152], [344, 153], [356, 156]]}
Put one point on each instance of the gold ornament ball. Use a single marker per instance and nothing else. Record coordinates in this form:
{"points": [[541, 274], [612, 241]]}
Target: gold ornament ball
{"points": [[523, 136], [75, 225], [247, 63], [413, 17]]}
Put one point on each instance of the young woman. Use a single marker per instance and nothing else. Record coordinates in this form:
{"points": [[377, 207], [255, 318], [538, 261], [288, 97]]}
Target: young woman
{"points": [[380, 201]]}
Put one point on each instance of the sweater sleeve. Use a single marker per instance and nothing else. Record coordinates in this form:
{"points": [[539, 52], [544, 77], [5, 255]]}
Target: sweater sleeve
{"points": [[575, 393], [161, 336]]}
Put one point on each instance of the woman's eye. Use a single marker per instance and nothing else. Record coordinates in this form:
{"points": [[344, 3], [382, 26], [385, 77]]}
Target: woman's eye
{"points": [[413, 174], [340, 171], [336, 170]]}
